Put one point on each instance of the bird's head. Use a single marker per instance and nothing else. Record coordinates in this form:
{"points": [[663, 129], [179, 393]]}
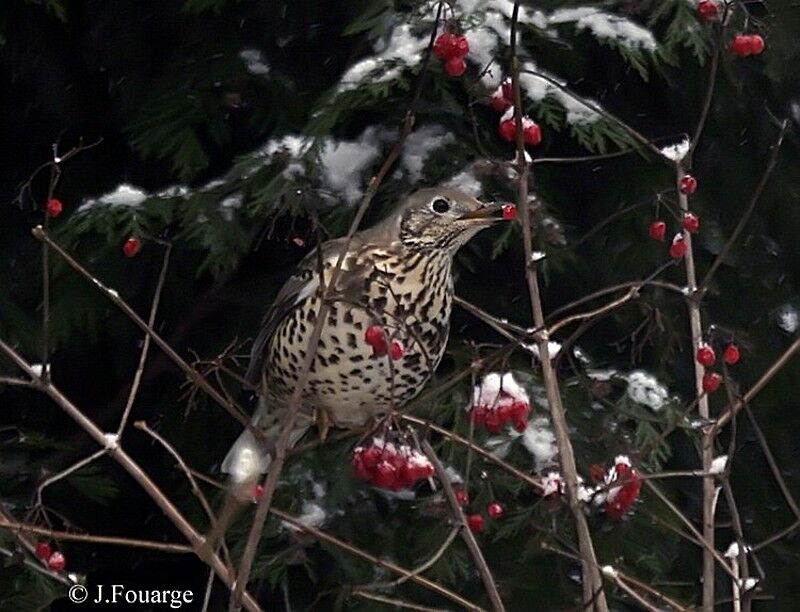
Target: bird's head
{"points": [[444, 218]]}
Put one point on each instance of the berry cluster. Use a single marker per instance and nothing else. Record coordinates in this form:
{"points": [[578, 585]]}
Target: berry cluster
{"points": [[626, 484], [743, 45], [475, 521], [452, 49], [689, 222], [55, 561], [706, 357], [502, 102], [376, 337], [498, 401], [390, 466]]}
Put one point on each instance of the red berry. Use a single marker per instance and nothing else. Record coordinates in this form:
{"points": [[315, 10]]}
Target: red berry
{"points": [[132, 247], [396, 351], [597, 472], [756, 44], [57, 562], [731, 355], [495, 510], [711, 382], [43, 551], [442, 45], [475, 522], [678, 247], [741, 45], [532, 135], [627, 494], [707, 10], [462, 497], [688, 184], [705, 356], [658, 230], [691, 223], [258, 492], [500, 103], [376, 338], [53, 208], [455, 66], [508, 130], [509, 212], [385, 476], [460, 46]]}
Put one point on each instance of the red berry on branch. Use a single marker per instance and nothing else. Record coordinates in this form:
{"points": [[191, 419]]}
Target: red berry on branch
{"points": [[475, 522], [678, 247], [43, 551], [462, 497], [731, 355], [741, 45], [376, 338], [460, 46], [707, 10], [688, 184], [711, 382], [500, 103], [455, 66], [53, 207], [597, 473], [691, 223], [532, 134], [385, 475], [57, 562], [396, 351], [131, 247], [508, 130], [509, 212], [705, 356], [658, 230], [495, 510], [442, 46], [756, 45], [258, 492]]}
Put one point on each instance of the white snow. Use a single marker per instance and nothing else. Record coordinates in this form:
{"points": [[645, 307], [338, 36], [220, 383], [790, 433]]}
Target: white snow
{"points": [[733, 551], [602, 375], [553, 348], [344, 162], [37, 369], [787, 318], [245, 461], [540, 441], [718, 464], [403, 50], [609, 572], [312, 515], [606, 26], [644, 388], [552, 483], [229, 204], [677, 151], [124, 195], [622, 459], [173, 191], [537, 256], [467, 182], [254, 61], [111, 441], [750, 583], [419, 145], [492, 386]]}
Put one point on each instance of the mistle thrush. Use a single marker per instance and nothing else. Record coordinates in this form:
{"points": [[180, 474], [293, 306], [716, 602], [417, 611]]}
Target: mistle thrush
{"points": [[397, 274]]}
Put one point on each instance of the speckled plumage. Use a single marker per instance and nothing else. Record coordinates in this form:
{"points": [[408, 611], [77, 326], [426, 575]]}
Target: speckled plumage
{"points": [[396, 274]]}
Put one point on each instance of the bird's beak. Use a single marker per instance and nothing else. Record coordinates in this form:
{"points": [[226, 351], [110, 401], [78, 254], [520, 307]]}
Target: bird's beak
{"points": [[488, 213]]}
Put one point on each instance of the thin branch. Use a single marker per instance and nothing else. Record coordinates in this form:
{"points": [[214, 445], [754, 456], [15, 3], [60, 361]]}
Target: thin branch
{"points": [[357, 552], [111, 443], [137, 377], [390, 601], [466, 532], [773, 161]]}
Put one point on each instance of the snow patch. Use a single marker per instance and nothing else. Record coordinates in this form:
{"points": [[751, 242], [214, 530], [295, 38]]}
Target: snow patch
{"points": [[718, 464], [676, 152], [606, 26], [229, 204], [254, 61], [467, 182], [733, 551], [644, 388], [37, 369], [553, 348], [124, 195], [312, 515], [552, 483], [787, 318], [419, 145], [344, 162], [540, 441]]}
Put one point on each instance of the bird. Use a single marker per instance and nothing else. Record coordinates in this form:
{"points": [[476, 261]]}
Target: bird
{"points": [[398, 275]]}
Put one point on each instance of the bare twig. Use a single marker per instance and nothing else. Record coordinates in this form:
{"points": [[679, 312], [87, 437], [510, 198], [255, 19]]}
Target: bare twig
{"points": [[390, 601], [466, 532], [592, 581]]}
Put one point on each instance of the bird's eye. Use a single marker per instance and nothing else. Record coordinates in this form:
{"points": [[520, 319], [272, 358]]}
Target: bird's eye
{"points": [[440, 206]]}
